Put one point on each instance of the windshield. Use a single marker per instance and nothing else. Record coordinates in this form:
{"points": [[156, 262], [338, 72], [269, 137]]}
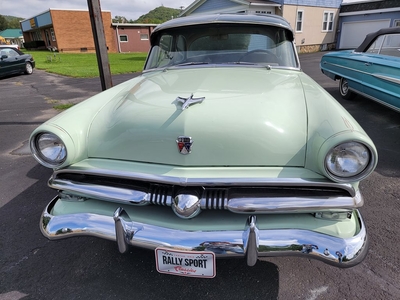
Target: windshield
{"points": [[222, 44]]}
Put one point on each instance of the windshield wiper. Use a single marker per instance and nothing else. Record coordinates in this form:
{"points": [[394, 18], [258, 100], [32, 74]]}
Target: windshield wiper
{"points": [[241, 63], [193, 63], [250, 64]]}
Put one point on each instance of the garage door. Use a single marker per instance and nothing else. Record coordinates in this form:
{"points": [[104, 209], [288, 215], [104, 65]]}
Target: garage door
{"points": [[353, 33]]}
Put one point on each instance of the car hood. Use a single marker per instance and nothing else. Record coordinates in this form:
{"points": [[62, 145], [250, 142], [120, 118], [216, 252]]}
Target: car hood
{"points": [[249, 117]]}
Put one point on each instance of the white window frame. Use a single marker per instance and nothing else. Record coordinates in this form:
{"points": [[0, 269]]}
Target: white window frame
{"points": [[125, 35], [144, 36], [330, 19], [396, 23], [299, 21]]}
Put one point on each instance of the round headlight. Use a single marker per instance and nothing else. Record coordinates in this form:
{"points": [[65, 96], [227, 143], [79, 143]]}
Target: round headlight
{"points": [[348, 160], [49, 149]]}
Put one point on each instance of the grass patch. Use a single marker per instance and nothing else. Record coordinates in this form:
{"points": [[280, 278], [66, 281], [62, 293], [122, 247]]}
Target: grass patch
{"points": [[63, 106], [84, 65]]}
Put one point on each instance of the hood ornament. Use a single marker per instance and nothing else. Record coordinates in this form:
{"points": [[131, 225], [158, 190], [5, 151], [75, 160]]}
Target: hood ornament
{"points": [[188, 101], [184, 144]]}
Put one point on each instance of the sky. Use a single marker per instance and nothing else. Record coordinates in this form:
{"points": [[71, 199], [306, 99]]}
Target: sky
{"points": [[130, 9]]}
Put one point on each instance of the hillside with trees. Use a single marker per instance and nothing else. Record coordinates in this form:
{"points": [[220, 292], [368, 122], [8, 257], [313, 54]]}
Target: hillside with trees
{"points": [[9, 22], [156, 16]]}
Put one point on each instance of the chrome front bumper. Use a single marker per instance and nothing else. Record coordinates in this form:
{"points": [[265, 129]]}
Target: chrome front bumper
{"points": [[250, 243]]}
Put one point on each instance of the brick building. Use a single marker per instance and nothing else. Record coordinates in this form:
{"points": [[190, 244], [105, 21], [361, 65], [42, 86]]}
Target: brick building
{"points": [[133, 37], [66, 30]]}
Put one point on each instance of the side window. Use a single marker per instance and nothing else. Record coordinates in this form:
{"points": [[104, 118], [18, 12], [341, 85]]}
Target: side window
{"points": [[9, 52], [161, 55], [12, 53], [299, 21], [391, 45], [166, 43], [376, 45], [327, 23], [123, 38], [386, 45]]}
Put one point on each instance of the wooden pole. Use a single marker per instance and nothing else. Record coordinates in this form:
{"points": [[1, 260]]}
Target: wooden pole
{"points": [[96, 20]]}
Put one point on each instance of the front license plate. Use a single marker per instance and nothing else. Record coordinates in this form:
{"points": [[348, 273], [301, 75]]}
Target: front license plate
{"points": [[185, 263]]}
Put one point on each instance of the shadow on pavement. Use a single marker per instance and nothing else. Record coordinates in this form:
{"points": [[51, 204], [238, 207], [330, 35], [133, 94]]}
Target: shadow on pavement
{"points": [[74, 268]]}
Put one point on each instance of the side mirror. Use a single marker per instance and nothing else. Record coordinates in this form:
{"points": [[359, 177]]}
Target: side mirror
{"points": [[4, 56]]}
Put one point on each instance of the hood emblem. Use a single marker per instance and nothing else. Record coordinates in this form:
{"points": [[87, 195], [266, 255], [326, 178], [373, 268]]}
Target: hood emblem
{"points": [[184, 144], [188, 101]]}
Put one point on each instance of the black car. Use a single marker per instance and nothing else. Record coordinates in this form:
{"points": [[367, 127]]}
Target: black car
{"points": [[13, 61]]}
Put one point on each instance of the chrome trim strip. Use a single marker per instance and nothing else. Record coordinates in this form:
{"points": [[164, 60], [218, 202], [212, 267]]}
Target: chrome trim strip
{"points": [[293, 204], [387, 78], [377, 100], [207, 182], [260, 205], [106, 193], [383, 77], [250, 243], [343, 67]]}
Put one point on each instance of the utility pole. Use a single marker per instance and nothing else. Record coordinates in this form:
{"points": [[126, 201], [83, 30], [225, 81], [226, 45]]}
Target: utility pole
{"points": [[96, 20]]}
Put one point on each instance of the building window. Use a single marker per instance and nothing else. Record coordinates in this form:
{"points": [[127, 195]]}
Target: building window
{"points": [[259, 12], [299, 21], [36, 36], [327, 24], [123, 38], [144, 37], [53, 36]]}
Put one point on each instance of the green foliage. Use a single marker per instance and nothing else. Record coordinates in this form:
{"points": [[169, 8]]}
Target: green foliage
{"points": [[9, 22], [156, 16], [159, 15], [85, 64], [3, 23], [121, 19]]}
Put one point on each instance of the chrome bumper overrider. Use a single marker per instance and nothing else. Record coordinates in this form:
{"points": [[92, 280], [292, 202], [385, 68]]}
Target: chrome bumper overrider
{"points": [[250, 243]]}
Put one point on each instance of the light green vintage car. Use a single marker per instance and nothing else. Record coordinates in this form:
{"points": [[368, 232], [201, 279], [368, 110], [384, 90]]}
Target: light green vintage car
{"points": [[223, 147]]}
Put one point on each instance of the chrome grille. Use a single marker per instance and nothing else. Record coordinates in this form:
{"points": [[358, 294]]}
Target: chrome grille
{"points": [[160, 195], [215, 198], [270, 196]]}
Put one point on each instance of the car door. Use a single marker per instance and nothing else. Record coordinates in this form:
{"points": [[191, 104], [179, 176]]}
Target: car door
{"points": [[382, 78], [3, 62], [11, 61]]}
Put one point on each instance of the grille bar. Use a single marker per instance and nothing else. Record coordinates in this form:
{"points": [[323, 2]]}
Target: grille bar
{"points": [[262, 200]]}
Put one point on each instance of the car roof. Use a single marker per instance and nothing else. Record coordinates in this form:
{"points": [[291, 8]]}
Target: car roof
{"points": [[273, 20], [371, 37]]}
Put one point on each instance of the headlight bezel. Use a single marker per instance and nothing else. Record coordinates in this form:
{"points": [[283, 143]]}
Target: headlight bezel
{"points": [[363, 172], [39, 155]]}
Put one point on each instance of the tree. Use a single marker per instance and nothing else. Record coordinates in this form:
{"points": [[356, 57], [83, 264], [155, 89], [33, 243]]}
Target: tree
{"points": [[119, 19], [159, 15], [3, 23], [14, 23]]}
